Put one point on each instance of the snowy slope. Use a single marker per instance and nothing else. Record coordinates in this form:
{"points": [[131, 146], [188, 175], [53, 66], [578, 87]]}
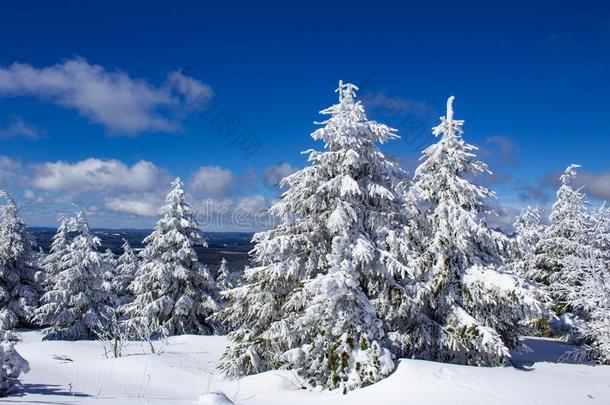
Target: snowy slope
{"points": [[187, 369]]}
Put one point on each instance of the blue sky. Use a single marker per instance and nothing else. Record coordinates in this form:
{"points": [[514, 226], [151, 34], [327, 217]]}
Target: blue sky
{"points": [[101, 104]]}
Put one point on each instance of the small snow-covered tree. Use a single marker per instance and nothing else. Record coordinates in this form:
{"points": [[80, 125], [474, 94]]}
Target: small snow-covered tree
{"points": [[223, 279], [529, 228], [11, 363], [127, 266], [52, 262], [589, 298], [599, 234], [174, 292], [311, 302], [76, 306], [108, 266], [563, 244], [19, 291], [464, 310]]}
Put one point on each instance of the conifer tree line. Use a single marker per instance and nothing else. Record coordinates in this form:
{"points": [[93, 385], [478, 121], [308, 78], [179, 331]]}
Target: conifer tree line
{"points": [[367, 265]]}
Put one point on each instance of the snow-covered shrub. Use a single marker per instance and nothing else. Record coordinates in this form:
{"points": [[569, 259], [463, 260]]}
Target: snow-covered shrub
{"points": [[463, 309], [76, 306], [310, 304], [173, 292], [19, 291], [11, 363]]}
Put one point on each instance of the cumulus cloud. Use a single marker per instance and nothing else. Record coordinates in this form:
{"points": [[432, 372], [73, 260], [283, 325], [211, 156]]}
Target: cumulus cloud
{"points": [[212, 182], [95, 175], [121, 104], [19, 128], [273, 174], [147, 205], [122, 195]]}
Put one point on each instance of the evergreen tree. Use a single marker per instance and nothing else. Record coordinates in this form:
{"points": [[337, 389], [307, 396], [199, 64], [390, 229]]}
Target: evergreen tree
{"points": [[19, 292], [310, 304], [127, 266], [108, 267], [529, 229], [599, 234], [51, 263], [223, 279], [11, 363], [464, 309], [564, 243], [174, 292], [76, 306]]}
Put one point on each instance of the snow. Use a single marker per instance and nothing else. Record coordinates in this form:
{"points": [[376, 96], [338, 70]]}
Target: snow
{"points": [[185, 373]]}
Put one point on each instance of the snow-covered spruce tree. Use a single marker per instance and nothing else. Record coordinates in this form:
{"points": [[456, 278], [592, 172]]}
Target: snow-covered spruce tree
{"points": [[108, 266], [174, 292], [223, 279], [11, 363], [127, 266], [563, 244], [76, 306], [52, 262], [593, 299], [529, 228], [600, 234], [19, 291], [309, 304], [467, 311]]}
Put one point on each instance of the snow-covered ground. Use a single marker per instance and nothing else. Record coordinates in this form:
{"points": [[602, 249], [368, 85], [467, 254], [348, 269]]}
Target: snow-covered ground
{"points": [[78, 372]]}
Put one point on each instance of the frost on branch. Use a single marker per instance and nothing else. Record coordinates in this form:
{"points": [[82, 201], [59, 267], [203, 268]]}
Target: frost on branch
{"points": [[19, 291], [310, 304], [77, 304], [174, 292]]}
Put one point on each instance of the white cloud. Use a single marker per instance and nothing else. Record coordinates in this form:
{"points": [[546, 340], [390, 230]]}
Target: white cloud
{"points": [[95, 175], [273, 174], [19, 128], [212, 182], [110, 98], [134, 204]]}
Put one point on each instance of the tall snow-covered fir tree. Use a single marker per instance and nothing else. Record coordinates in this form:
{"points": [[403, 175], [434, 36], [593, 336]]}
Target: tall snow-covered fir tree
{"points": [[309, 304], [19, 291], [464, 309], [564, 243], [126, 268], [76, 306], [174, 292], [223, 279], [51, 264]]}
